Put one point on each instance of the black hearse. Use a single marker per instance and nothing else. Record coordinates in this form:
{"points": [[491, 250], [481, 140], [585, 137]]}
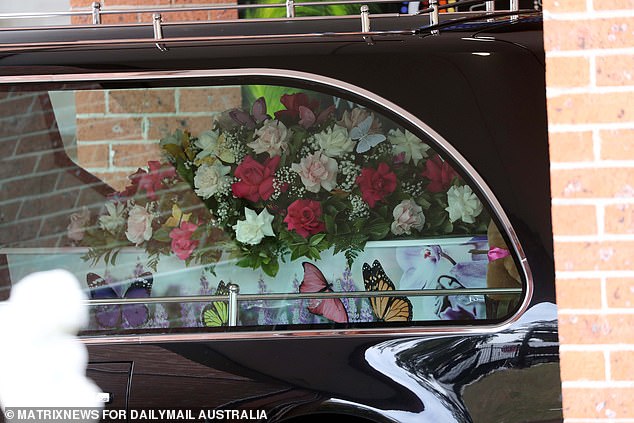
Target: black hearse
{"points": [[294, 217]]}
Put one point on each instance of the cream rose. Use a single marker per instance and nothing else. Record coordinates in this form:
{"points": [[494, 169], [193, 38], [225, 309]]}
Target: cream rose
{"points": [[272, 138], [139, 225], [463, 204], [335, 141], [317, 171], [114, 219], [407, 216], [255, 227], [407, 144], [211, 179]]}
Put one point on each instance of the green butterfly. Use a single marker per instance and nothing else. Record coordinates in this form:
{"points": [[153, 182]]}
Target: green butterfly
{"points": [[216, 313]]}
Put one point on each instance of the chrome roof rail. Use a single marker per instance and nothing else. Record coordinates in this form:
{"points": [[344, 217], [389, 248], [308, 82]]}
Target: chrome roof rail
{"points": [[440, 16]]}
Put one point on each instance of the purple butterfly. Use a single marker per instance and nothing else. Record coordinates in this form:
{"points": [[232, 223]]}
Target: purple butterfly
{"points": [[117, 316]]}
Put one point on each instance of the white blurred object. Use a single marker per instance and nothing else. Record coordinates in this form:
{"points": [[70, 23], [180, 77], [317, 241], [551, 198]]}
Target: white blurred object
{"points": [[42, 363]]}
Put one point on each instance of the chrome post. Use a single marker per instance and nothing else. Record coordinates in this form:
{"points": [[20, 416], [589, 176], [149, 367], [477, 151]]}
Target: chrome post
{"points": [[365, 24], [290, 8], [158, 30], [96, 13], [234, 290], [514, 6], [433, 16], [490, 7]]}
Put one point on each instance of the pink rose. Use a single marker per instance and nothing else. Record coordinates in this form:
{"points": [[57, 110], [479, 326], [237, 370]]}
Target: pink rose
{"points": [[317, 171], [139, 225], [271, 138], [376, 184], [304, 217], [78, 224], [152, 181], [439, 173], [256, 179], [182, 243], [407, 216]]}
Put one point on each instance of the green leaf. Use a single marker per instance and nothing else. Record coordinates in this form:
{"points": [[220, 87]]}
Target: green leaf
{"points": [[271, 268], [316, 239], [162, 234]]}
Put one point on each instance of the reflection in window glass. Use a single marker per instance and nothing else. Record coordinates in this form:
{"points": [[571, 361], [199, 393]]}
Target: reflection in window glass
{"points": [[317, 209]]}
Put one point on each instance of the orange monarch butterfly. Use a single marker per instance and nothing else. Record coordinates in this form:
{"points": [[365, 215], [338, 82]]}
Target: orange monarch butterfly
{"points": [[386, 309]]}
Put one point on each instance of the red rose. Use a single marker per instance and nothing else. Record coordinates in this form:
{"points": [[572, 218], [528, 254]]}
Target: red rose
{"points": [[152, 181], [256, 179], [376, 184], [304, 217], [439, 173], [182, 243]]}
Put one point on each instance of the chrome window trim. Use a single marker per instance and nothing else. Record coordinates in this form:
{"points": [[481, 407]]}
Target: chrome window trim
{"points": [[354, 90]]}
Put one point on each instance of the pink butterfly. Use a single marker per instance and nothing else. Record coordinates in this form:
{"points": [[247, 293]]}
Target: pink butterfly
{"points": [[330, 308]]}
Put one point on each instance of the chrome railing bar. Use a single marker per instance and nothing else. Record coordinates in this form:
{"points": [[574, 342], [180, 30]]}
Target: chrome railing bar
{"points": [[307, 295], [218, 38], [150, 10]]}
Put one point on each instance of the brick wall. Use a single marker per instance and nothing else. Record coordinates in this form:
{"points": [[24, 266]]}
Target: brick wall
{"points": [[590, 86], [118, 131], [147, 18]]}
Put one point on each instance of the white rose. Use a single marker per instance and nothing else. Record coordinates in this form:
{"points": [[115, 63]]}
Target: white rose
{"points": [[335, 141], [208, 144], [211, 179], [407, 216], [139, 225], [408, 144], [463, 204], [113, 220], [317, 171], [254, 227], [271, 138]]}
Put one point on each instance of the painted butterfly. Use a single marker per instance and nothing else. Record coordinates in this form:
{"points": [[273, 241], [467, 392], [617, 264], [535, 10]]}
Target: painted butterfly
{"points": [[386, 309], [365, 139], [116, 315], [216, 313], [330, 308]]}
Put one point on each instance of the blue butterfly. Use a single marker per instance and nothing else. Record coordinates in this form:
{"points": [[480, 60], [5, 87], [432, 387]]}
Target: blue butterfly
{"points": [[362, 134]]}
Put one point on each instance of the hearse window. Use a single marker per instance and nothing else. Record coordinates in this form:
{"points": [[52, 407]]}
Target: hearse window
{"points": [[245, 208]]}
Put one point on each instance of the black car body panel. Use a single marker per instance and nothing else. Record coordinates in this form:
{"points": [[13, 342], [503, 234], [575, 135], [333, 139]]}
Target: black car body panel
{"points": [[481, 87]]}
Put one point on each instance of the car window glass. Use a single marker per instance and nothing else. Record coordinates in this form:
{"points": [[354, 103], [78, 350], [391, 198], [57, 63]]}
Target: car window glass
{"points": [[310, 209]]}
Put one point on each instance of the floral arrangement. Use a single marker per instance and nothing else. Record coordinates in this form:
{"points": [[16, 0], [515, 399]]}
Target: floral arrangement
{"points": [[291, 185]]}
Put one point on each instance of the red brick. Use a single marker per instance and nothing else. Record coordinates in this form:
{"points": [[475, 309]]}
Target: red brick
{"points": [[118, 180], [211, 100], [583, 34], [140, 101], [579, 293], [617, 144], [613, 5], [592, 182], [135, 155], [571, 146], [620, 292], [582, 365], [97, 129], [160, 127], [93, 155], [619, 219], [596, 328], [622, 365], [90, 102], [567, 71], [583, 256], [591, 108], [574, 219], [564, 6], [598, 403], [615, 70]]}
